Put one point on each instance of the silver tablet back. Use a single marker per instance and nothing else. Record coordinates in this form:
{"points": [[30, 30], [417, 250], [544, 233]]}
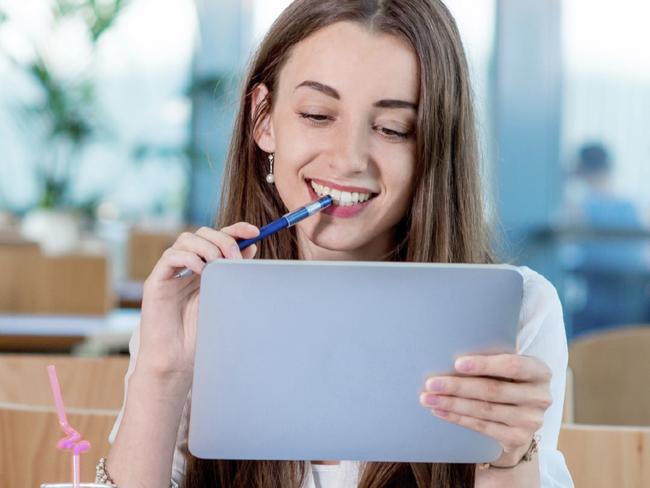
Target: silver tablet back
{"points": [[325, 360]]}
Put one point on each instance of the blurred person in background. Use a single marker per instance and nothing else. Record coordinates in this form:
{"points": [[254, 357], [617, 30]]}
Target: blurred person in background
{"points": [[609, 268]]}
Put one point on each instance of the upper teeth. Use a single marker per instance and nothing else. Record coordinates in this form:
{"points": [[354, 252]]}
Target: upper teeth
{"points": [[342, 198]]}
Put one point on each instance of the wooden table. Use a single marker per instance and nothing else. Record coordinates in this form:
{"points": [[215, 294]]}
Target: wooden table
{"points": [[88, 335]]}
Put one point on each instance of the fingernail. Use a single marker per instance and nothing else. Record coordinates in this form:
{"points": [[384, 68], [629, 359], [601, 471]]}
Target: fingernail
{"points": [[464, 364], [435, 385], [431, 400], [440, 413]]}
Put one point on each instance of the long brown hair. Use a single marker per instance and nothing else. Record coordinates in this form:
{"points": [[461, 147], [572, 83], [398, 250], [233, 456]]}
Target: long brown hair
{"points": [[445, 222]]}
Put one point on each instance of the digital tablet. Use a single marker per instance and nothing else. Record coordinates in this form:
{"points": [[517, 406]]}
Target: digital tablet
{"points": [[325, 360]]}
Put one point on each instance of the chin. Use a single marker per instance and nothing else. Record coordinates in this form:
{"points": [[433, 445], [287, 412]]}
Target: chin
{"points": [[333, 240]]}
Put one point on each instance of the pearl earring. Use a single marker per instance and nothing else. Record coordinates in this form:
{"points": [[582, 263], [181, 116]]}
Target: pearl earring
{"points": [[270, 178]]}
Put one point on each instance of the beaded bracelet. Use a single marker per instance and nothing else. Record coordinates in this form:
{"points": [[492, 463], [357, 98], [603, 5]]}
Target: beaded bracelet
{"points": [[102, 476]]}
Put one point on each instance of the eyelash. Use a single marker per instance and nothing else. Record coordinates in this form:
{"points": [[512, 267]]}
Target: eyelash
{"points": [[319, 119]]}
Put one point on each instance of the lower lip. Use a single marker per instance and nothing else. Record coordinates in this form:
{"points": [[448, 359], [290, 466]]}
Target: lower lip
{"points": [[337, 210]]}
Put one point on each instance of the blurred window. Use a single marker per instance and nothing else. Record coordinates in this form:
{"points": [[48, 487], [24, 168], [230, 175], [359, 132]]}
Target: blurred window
{"points": [[117, 94], [607, 89]]}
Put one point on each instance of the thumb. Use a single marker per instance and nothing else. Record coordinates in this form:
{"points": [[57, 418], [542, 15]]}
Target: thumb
{"points": [[249, 252]]}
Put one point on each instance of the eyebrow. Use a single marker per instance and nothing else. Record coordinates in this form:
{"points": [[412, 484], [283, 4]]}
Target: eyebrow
{"points": [[331, 92]]}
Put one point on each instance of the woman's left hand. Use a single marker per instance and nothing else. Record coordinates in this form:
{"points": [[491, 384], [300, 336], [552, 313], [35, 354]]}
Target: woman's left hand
{"points": [[503, 396]]}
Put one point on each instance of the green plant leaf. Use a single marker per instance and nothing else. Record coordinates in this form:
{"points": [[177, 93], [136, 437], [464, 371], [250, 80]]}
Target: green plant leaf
{"points": [[105, 16]]}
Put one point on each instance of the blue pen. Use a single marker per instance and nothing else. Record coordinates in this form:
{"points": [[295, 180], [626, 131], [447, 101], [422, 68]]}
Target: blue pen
{"points": [[283, 222]]}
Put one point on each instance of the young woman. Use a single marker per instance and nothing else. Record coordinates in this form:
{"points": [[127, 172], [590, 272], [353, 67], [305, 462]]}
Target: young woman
{"points": [[367, 100]]}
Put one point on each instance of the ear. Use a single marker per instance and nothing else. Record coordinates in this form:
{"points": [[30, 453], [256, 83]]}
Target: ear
{"points": [[263, 131]]}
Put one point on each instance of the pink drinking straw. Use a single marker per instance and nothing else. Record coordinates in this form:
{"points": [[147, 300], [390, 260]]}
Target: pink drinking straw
{"points": [[73, 441]]}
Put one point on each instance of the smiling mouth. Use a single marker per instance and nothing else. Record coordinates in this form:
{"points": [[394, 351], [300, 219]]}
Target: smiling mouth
{"points": [[341, 198]]}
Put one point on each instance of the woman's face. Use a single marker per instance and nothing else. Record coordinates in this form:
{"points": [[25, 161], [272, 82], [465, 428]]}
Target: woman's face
{"points": [[343, 122]]}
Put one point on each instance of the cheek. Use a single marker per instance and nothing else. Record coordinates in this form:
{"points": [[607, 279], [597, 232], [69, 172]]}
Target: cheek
{"points": [[399, 192], [398, 175], [292, 153], [289, 160], [398, 205], [289, 180], [296, 144]]}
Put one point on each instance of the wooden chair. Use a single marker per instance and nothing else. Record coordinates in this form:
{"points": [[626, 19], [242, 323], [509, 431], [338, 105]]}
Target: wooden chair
{"points": [[610, 377], [28, 453], [607, 456], [34, 283], [92, 391], [87, 383], [145, 248]]}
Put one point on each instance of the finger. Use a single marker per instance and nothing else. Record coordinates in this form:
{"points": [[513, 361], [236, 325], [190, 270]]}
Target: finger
{"points": [[226, 243], [527, 418], [490, 390], [226, 238], [510, 438], [510, 366], [249, 252], [199, 245], [244, 230], [174, 259], [241, 230]]}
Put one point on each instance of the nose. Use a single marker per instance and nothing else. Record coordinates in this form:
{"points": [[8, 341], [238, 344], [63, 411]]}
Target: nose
{"points": [[351, 149]]}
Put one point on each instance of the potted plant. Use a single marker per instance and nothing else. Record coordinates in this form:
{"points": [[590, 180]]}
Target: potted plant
{"points": [[66, 117]]}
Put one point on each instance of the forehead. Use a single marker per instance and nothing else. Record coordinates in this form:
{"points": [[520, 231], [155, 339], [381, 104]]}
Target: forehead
{"points": [[354, 61]]}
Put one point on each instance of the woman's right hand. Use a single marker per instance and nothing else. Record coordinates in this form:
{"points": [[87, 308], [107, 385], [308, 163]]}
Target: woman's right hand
{"points": [[170, 305]]}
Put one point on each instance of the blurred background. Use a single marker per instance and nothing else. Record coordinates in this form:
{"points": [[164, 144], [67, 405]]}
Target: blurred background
{"points": [[115, 117]]}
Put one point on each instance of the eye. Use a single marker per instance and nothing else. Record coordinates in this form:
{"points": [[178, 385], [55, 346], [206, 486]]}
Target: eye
{"points": [[316, 119], [393, 133]]}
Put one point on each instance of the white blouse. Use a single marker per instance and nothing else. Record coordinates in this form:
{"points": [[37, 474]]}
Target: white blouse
{"points": [[541, 334]]}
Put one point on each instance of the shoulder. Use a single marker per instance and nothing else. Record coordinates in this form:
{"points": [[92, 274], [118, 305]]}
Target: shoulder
{"points": [[539, 294]]}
